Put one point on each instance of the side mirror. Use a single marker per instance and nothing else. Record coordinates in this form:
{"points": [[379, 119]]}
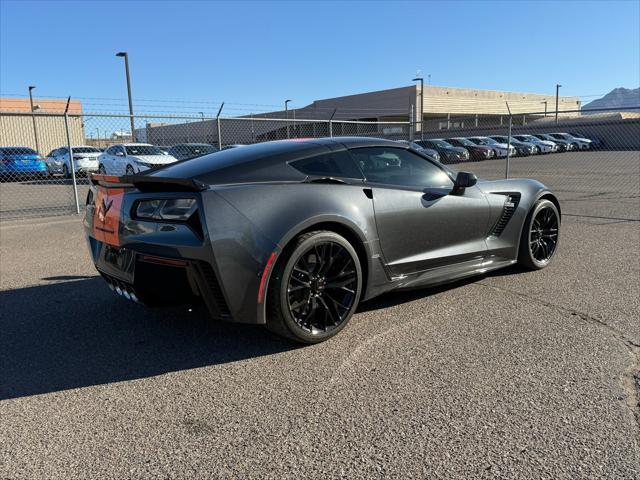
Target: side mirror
{"points": [[119, 154], [464, 180]]}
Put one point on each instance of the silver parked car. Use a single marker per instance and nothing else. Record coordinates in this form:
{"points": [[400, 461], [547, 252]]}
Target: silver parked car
{"points": [[85, 160], [544, 146], [578, 143], [427, 151]]}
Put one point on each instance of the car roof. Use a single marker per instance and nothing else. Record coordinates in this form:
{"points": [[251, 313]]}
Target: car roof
{"points": [[192, 145], [267, 161]]}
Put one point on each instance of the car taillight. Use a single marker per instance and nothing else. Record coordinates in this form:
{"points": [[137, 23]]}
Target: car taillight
{"points": [[178, 209]]}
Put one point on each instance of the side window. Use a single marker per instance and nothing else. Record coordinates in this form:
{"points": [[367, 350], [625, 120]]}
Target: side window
{"points": [[109, 151], [61, 151], [336, 164], [395, 166], [51, 154]]}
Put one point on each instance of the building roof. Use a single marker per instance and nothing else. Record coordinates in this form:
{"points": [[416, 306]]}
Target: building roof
{"points": [[47, 105]]}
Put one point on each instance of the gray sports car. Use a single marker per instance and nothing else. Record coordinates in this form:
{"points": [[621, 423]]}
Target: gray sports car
{"points": [[294, 234]]}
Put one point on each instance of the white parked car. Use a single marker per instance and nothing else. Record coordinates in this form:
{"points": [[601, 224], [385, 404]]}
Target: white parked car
{"points": [[85, 160], [578, 143], [545, 146], [499, 148], [130, 158]]}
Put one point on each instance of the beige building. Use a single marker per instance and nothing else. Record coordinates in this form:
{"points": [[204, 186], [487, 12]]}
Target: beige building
{"points": [[442, 108], [40, 130]]}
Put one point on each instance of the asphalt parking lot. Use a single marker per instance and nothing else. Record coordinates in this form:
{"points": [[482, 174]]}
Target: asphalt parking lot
{"points": [[517, 374]]}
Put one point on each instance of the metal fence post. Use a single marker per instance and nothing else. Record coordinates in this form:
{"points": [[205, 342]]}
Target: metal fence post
{"points": [[72, 168], [412, 124], [506, 173], [218, 126], [331, 122]]}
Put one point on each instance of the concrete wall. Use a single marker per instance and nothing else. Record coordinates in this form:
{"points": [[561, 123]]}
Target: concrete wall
{"points": [[17, 131], [444, 100]]}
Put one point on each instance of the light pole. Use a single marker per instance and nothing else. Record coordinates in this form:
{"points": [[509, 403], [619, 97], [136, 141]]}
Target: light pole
{"points": [[557, 93], [545, 108], [33, 117], [420, 112], [126, 67], [286, 115]]}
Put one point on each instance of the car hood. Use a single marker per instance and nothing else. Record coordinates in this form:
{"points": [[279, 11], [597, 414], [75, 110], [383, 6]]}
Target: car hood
{"points": [[498, 145], [580, 139], [455, 149], [154, 159]]}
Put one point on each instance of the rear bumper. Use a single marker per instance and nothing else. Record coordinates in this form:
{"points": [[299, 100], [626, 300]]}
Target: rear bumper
{"points": [[155, 280], [218, 258]]}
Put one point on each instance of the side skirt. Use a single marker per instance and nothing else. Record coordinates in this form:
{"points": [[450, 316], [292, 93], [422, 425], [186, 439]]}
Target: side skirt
{"points": [[450, 273]]}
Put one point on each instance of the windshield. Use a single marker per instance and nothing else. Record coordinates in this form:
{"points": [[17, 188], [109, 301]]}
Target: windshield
{"points": [[464, 141], [194, 149], [18, 151], [483, 141], [85, 150], [441, 143], [142, 150], [526, 138]]}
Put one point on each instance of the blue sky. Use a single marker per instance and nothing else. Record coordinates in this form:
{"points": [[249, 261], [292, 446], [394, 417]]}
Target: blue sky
{"points": [[259, 54]]}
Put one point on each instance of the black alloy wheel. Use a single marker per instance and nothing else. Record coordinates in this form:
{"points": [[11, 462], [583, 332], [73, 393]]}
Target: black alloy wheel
{"points": [[102, 170], [540, 236], [315, 289]]}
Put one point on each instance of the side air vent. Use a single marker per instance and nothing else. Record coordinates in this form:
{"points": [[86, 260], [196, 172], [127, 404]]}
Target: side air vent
{"points": [[215, 292], [509, 208]]}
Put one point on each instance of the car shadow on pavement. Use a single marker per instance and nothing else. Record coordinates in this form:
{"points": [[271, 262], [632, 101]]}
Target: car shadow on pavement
{"points": [[77, 333]]}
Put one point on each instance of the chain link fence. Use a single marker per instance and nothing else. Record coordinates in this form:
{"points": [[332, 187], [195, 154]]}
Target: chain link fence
{"points": [[46, 158]]}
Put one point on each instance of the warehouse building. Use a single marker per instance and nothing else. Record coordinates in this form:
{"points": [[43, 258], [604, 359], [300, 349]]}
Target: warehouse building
{"points": [[442, 108], [43, 133]]}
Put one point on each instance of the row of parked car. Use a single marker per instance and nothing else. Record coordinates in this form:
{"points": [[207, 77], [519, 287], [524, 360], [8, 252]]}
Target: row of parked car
{"points": [[131, 158], [116, 159], [464, 149]]}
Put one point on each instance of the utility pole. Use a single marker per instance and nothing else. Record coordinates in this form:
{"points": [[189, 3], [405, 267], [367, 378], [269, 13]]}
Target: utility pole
{"points": [[126, 67], [33, 117], [421, 111]]}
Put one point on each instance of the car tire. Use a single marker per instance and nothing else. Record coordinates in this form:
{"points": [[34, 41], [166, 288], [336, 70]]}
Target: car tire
{"points": [[65, 171], [540, 235], [102, 170], [129, 170], [315, 288]]}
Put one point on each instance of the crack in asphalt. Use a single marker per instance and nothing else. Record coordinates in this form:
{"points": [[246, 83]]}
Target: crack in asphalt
{"points": [[630, 379]]}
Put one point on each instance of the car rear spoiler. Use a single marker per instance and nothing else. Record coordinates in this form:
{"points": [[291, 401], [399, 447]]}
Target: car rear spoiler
{"points": [[147, 183]]}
